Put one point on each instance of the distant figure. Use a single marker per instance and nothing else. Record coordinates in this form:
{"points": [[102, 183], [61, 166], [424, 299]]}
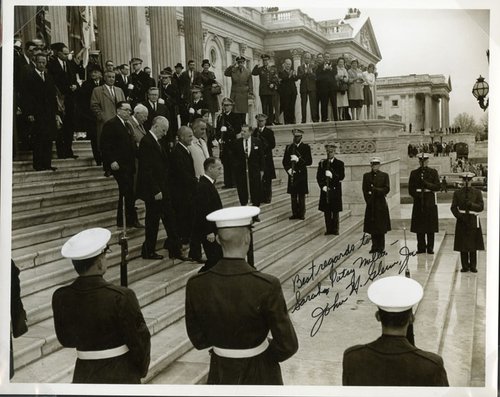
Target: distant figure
{"points": [[444, 185], [392, 360]]}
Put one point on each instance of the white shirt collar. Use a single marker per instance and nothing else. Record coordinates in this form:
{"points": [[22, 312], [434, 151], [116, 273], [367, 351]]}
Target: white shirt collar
{"points": [[184, 146], [155, 137], [210, 179]]}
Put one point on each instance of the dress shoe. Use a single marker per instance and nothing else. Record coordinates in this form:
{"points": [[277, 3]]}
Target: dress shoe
{"points": [[328, 233], [464, 270], [293, 217], [137, 225], [420, 252], [51, 169], [107, 174], [72, 156], [153, 255], [197, 260], [430, 252], [336, 232], [473, 270]]}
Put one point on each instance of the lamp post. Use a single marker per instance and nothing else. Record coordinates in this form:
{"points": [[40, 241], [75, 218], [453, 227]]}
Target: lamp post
{"points": [[480, 92]]}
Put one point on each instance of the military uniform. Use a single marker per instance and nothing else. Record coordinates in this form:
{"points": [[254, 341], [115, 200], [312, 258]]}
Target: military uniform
{"points": [[423, 182], [466, 205], [232, 122], [266, 92], [376, 186], [297, 182], [266, 135], [234, 306], [392, 361], [331, 203]]}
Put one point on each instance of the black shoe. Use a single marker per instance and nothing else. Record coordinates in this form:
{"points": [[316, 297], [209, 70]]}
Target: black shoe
{"points": [[430, 252], [51, 169], [137, 225], [181, 258], [227, 187], [197, 260], [293, 217], [328, 233], [336, 232], [420, 251], [153, 255], [71, 156], [473, 270], [464, 270], [107, 174]]}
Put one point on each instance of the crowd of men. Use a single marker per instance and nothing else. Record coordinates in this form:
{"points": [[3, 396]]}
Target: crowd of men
{"points": [[437, 148]]}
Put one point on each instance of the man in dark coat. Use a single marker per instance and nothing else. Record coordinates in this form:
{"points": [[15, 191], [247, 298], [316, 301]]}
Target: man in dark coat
{"points": [[288, 91], [140, 82], [326, 83], [376, 185], [40, 106], [207, 200], [187, 80], [64, 72], [17, 313], [329, 175], [123, 80], [171, 95], [196, 105], [103, 321], [466, 205], [227, 129], [153, 189], [155, 108], [249, 166], [184, 180], [266, 92], [296, 158], [118, 156], [392, 360], [307, 75], [423, 182], [237, 333], [266, 135]]}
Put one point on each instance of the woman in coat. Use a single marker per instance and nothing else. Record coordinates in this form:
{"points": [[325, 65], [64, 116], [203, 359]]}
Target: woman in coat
{"points": [[342, 79], [208, 82], [356, 97]]}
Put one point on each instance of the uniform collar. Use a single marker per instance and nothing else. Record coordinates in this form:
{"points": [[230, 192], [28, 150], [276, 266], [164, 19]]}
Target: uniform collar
{"points": [[89, 282], [230, 266], [392, 344]]}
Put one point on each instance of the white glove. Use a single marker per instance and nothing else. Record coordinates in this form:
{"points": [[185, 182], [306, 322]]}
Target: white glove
{"points": [[328, 174], [223, 128], [191, 110], [290, 172], [130, 86], [198, 111], [215, 143], [161, 100], [293, 157], [325, 189]]}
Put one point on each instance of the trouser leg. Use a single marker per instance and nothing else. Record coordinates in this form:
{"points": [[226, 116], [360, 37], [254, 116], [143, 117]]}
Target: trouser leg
{"points": [[464, 260], [152, 222], [295, 204], [301, 207], [430, 242], [421, 245], [473, 260]]}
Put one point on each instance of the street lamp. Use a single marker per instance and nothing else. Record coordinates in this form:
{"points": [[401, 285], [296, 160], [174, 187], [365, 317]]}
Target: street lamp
{"points": [[480, 92]]}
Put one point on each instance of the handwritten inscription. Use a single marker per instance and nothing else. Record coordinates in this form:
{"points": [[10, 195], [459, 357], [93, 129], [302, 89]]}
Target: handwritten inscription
{"points": [[321, 278]]}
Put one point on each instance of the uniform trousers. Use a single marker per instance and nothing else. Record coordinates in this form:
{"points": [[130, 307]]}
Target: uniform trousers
{"points": [[42, 149], [125, 182], [64, 139], [422, 246], [298, 205], [288, 106], [332, 222], [227, 159], [267, 107], [267, 191], [469, 260], [378, 242], [313, 105]]}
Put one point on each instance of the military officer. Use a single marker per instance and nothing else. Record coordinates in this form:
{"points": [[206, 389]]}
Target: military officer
{"points": [[466, 205], [266, 135], [296, 158], [232, 307], [101, 320], [392, 360], [423, 182], [376, 186], [241, 87], [266, 86], [329, 175]]}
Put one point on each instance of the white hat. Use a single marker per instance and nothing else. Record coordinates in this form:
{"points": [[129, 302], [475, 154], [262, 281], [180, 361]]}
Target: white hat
{"points": [[423, 156], [468, 175], [86, 244], [375, 160], [233, 216], [395, 294]]}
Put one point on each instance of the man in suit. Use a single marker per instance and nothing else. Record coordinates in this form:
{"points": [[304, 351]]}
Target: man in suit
{"points": [[196, 105], [88, 116], [153, 188], [184, 179], [376, 185], [241, 87], [296, 158], [325, 83], [236, 329], [329, 175], [177, 74], [249, 166], [266, 135], [63, 71], [392, 360], [227, 130], [103, 102], [466, 205], [118, 156], [123, 80], [40, 107], [265, 90], [307, 75], [139, 81], [207, 200], [422, 184], [186, 81], [199, 148], [155, 108], [170, 94], [288, 91], [103, 321], [136, 123]]}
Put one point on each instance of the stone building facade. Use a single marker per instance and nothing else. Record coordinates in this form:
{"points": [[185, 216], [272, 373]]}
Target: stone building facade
{"points": [[421, 101]]}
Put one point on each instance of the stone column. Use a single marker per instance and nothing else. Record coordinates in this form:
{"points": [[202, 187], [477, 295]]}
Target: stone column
{"points": [[193, 34], [59, 25], [164, 38], [228, 42], [115, 40], [134, 31], [296, 59], [428, 112], [447, 112], [25, 22]]}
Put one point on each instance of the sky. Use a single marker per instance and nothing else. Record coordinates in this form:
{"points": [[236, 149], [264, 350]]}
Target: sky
{"points": [[448, 42]]}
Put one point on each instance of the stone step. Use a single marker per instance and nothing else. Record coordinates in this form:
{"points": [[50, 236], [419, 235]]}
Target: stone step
{"points": [[75, 196], [164, 285], [73, 173], [82, 150], [60, 164], [45, 187]]}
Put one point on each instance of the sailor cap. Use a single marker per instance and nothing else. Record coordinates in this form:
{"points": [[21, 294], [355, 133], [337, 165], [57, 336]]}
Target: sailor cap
{"points": [[423, 156], [395, 294], [88, 243], [233, 216], [375, 160]]}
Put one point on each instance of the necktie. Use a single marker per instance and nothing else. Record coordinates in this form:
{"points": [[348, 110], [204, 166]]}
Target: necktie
{"points": [[154, 106], [42, 76], [112, 92], [245, 147], [64, 66], [96, 82]]}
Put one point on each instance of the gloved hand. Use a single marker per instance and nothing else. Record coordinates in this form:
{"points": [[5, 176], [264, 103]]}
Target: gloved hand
{"points": [[325, 189], [294, 158], [328, 174], [290, 172], [223, 128], [191, 111]]}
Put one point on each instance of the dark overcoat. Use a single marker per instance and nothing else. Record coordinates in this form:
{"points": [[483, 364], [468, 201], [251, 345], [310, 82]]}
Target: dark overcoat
{"points": [[336, 167], [298, 183], [423, 183], [234, 306], [468, 233], [232, 122], [269, 143], [255, 166], [117, 144], [264, 80], [142, 82], [376, 186], [91, 314], [392, 361], [211, 100], [207, 200], [161, 110]]}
